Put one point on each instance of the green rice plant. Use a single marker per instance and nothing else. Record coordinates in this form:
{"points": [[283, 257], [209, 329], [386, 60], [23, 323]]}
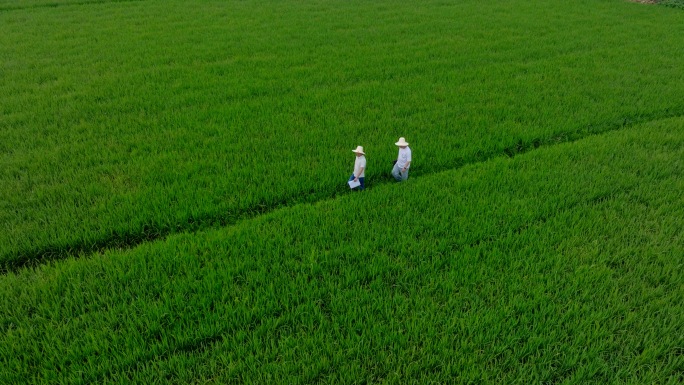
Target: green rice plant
{"points": [[122, 122], [672, 3], [559, 265]]}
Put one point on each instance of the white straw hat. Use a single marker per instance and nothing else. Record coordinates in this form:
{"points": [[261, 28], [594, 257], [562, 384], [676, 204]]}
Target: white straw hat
{"points": [[401, 142], [359, 150]]}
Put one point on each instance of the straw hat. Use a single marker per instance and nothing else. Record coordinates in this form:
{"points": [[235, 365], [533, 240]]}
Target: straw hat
{"points": [[359, 150], [402, 142]]}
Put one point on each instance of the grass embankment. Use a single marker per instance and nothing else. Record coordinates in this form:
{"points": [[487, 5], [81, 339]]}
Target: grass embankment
{"points": [[123, 122], [558, 266]]}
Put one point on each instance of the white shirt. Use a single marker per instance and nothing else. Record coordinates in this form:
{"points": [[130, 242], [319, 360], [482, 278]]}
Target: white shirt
{"points": [[404, 157], [358, 163]]}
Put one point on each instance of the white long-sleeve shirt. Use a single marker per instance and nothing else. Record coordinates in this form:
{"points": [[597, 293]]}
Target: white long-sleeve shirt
{"points": [[359, 163], [404, 157]]}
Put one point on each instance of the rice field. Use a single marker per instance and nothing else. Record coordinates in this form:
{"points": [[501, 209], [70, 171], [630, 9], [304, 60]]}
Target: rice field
{"points": [[174, 207], [130, 121]]}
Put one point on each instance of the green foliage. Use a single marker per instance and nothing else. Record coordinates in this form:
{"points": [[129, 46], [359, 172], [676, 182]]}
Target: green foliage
{"points": [[128, 121], [560, 265], [672, 3]]}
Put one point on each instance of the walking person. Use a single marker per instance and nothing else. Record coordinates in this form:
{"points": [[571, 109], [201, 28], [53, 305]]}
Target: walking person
{"points": [[359, 174], [401, 166]]}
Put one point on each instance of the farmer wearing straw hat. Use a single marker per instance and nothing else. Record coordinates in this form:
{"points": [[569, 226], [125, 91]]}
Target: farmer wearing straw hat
{"points": [[359, 167], [401, 166]]}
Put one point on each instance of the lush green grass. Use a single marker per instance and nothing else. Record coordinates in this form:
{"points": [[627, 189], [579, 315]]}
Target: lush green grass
{"points": [[561, 265], [126, 121]]}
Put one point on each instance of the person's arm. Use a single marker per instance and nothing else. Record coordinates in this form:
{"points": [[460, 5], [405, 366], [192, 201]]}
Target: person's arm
{"points": [[407, 166], [360, 172]]}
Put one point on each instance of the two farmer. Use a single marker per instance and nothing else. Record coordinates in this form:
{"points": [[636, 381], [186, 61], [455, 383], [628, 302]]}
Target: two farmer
{"points": [[399, 170]]}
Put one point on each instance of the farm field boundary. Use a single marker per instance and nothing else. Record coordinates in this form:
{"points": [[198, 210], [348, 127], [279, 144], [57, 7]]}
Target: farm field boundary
{"points": [[127, 241]]}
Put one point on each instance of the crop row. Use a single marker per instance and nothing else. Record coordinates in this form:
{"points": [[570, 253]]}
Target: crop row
{"points": [[559, 265], [128, 121]]}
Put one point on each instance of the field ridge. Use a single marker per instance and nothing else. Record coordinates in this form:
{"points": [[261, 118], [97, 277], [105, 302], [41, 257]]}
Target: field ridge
{"points": [[37, 257]]}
